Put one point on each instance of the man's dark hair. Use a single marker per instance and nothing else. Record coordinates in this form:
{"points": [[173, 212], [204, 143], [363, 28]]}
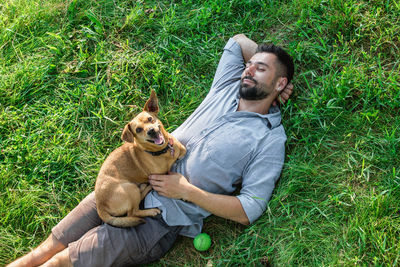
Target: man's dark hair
{"points": [[283, 57]]}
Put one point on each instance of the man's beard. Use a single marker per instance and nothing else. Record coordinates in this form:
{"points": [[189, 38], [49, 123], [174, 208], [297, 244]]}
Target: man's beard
{"points": [[251, 92]]}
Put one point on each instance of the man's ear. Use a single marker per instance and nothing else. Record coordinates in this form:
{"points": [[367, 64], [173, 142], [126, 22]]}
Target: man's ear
{"points": [[152, 103], [281, 84], [127, 134]]}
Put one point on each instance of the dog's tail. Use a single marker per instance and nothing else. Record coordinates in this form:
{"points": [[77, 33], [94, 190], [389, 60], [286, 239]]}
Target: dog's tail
{"points": [[123, 221]]}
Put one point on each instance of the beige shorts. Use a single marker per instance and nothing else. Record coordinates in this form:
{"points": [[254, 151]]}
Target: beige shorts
{"points": [[94, 243]]}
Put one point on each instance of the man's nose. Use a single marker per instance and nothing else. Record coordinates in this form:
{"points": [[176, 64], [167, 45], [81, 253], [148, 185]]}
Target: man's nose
{"points": [[250, 70]]}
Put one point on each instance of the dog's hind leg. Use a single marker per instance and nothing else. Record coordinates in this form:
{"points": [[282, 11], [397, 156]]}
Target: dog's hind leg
{"points": [[144, 213]]}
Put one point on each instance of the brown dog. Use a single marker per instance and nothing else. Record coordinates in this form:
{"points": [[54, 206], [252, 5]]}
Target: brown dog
{"points": [[148, 149]]}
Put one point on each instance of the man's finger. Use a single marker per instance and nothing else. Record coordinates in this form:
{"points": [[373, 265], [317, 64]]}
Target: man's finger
{"points": [[155, 183], [285, 96], [157, 187], [288, 89], [156, 177]]}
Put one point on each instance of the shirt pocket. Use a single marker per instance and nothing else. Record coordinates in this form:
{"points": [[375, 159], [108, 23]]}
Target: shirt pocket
{"points": [[229, 147]]}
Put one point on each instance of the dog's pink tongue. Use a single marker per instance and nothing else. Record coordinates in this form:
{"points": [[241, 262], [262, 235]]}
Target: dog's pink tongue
{"points": [[159, 140]]}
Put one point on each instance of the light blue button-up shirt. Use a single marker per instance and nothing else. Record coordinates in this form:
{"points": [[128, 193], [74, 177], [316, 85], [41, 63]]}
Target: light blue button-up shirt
{"points": [[226, 148]]}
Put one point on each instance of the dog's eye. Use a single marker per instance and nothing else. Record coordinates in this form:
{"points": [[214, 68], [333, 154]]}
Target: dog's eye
{"points": [[150, 119], [138, 130]]}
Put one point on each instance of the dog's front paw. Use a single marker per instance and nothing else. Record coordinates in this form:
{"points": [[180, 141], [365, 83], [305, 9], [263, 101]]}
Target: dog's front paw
{"points": [[154, 212]]}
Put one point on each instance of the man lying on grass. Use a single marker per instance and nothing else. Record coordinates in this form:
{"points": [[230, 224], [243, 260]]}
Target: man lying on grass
{"points": [[234, 137]]}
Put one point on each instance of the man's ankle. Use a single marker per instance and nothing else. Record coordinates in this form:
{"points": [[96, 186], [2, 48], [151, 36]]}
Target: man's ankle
{"points": [[40, 254]]}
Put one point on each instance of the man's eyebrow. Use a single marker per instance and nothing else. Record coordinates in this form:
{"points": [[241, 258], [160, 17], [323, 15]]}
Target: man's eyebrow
{"points": [[258, 62]]}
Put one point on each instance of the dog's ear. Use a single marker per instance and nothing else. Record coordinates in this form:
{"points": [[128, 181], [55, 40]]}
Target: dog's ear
{"points": [[127, 134], [152, 103]]}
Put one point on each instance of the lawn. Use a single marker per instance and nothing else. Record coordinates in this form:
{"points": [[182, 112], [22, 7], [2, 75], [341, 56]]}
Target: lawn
{"points": [[73, 72]]}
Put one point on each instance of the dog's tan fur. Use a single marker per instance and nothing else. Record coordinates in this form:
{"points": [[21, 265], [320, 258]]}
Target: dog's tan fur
{"points": [[119, 185]]}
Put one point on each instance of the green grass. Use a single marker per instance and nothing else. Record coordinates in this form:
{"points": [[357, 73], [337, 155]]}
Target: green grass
{"points": [[72, 73]]}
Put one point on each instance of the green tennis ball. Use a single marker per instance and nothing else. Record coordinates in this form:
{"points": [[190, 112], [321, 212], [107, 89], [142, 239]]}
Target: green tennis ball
{"points": [[202, 242]]}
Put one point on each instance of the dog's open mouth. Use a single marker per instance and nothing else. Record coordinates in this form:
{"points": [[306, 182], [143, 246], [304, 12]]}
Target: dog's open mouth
{"points": [[157, 139]]}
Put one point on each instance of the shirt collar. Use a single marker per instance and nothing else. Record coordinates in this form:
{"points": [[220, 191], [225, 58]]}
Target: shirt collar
{"points": [[273, 118]]}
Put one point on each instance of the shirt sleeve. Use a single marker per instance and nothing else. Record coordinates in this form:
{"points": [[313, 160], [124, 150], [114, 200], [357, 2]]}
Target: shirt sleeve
{"points": [[259, 178], [230, 66]]}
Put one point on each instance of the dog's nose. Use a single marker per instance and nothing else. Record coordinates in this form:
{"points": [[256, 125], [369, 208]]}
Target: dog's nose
{"points": [[152, 132]]}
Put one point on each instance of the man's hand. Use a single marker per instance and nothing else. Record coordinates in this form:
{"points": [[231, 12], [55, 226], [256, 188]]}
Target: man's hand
{"points": [[284, 95], [172, 185], [175, 185]]}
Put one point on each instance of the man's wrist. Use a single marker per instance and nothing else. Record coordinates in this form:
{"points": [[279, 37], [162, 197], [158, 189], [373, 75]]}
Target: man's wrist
{"points": [[189, 192]]}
